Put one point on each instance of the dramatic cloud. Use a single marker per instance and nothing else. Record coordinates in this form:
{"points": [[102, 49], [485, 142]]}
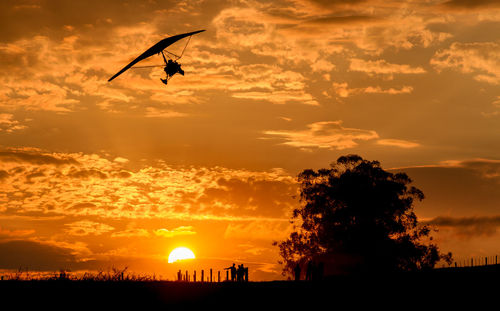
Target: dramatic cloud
{"points": [[325, 135], [91, 185], [116, 162]]}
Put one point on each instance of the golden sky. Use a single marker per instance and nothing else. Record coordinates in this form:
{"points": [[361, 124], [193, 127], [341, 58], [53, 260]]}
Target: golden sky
{"points": [[96, 174]]}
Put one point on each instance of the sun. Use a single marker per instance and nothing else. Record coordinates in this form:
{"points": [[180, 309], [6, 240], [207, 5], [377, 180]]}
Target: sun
{"points": [[180, 253]]}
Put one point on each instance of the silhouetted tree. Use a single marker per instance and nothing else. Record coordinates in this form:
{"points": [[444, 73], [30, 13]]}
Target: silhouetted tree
{"points": [[356, 212]]}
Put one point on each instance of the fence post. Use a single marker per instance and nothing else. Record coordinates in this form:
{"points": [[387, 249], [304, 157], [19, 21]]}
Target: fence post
{"points": [[194, 276], [202, 275], [218, 276], [227, 275], [472, 262], [210, 275], [485, 261]]}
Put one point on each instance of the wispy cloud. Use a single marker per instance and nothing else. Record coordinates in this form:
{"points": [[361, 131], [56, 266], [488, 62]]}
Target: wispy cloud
{"points": [[258, 230], [468, 227], [398, 143], [481, 59], [383, 67], [152, 112], [86, 227], [325, 135], [343, 90], [15, 233], [9, 124], [20, 156], [471, 4], [182, 230], [128, 233]]}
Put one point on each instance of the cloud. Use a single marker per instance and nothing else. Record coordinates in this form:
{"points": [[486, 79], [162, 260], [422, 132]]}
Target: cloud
{"points": [[343, 90], [53, 73], [322, 65], [35, 256], [15, 233], [471, 4], [236, 61], [258, 230], [255, 196], [3, 174], [121, 160], [86, 227], [86, 173], [487, 168], [182, 230], [152, 112], [131, 233], [31, 63], [8, 124], [325, 4], [324, 135], [382, 67], [83, 185], [468, 227], [464, 188], [279, 97], [19, 156], [481, 59], [342, 20], [398, 143]]}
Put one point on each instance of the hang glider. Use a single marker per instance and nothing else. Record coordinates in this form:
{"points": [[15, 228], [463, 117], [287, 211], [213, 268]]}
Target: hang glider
{"points": [[171, 66]]}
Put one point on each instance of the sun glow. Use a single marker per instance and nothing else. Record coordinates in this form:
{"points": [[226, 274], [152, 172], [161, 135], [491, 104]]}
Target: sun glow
{"points": [[180, 253]]}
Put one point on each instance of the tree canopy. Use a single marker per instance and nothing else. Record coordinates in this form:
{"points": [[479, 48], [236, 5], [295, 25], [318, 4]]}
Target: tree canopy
{"points": [[357, 217]]}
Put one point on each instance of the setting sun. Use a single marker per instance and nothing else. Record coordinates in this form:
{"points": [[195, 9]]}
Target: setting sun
{"points": [[180, 253]]}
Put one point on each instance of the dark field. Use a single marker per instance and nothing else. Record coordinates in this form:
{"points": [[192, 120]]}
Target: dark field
{"points": [[443, 288]]}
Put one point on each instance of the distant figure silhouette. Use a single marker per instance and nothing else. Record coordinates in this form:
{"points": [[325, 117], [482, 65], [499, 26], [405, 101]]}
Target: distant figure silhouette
{"points": [[296, 270], [310, 271], [245, 274], [239, 273], [233, 272]]}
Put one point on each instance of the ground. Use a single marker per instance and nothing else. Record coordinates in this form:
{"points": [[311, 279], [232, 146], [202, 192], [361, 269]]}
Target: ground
{"points": [[438, 288]]}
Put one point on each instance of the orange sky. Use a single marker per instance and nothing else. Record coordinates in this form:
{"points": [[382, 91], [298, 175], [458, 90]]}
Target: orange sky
{"points": [[95, 174]]}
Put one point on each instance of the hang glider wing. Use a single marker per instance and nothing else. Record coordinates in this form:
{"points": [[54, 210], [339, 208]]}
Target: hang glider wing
{"points": [[155, 49]]}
